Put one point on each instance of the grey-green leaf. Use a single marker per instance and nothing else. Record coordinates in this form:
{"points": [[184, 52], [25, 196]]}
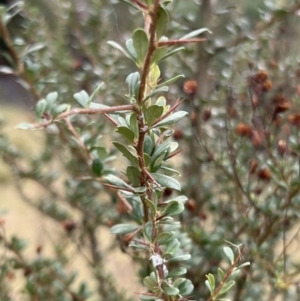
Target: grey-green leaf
{"points": [[180, 258], [140, 44], [132, 80], [40, 108], [133, 175], [162, 22], [166, 181], [150, 283], [172, 246], [170, 290], [186, 287], [195, 33], [119, 47], [126, 153], [177, 272], [171, 119], [152, 113], [131, 49], [148, 231], [227, 286], [82, 98], [126, 133], [229, 254], [123, 228], [174, 208], [114, 180]]}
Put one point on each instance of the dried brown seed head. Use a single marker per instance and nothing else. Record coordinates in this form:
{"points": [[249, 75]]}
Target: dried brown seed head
{"points": [[260, 77], [264, 174], [253, 166], [190, 87], [69, 226], [206, 114], [190, 205], [244, 130]]}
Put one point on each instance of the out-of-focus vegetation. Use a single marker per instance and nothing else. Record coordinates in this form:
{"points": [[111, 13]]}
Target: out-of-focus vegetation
{"points": [[239, 163]]}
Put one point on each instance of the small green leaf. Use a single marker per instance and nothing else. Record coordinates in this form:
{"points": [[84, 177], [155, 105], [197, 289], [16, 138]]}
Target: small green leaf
{"points": [[51, 99], [178, 281], [170, 81], [148, 145], [163, 237], [210, 277], [174, 208], [133, 175], [162, 148], [40, 108], [150, 283], [152, 113], [220, 274], [126, 132], [97, 167], [195, 33], [120, 48], [137, 245], [132, 80], [229, 254], [234, 274], [133, 125], [173, 118], [170, 290], [243, 265], [180, 258], [177, 272], [162, 89], [227, 286], [148, 231], [172, 246], [186, 287], [168, 54], [126, 153], [162, 22], [159, 54], [156, 164], [154, 75], [123, 228], [150, 205], [131, 49], [82, 98], [166, 181], [114, 180], [207, 284], [140, 44], [60, 109]]}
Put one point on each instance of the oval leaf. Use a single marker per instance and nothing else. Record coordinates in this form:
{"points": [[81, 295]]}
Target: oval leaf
{"points": [[166, 181], [123, 228], [229, 254], [171, 119]]}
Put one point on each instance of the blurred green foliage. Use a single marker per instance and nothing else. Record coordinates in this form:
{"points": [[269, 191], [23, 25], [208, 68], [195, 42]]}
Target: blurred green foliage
{"points": [[240, 159]]}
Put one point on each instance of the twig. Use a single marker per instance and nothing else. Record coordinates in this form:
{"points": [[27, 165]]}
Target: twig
{"points": [[228, 274], [76, 111]]}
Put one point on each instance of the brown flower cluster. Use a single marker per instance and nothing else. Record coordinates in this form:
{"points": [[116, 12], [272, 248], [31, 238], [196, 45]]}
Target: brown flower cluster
{"points": [[281, 104], [190, 87], [261, 83], [245, 130]]}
